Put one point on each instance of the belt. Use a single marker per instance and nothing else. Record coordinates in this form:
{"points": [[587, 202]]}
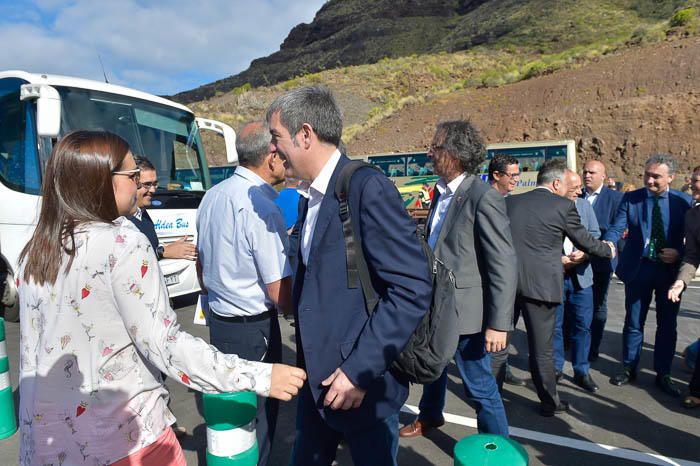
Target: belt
{"points": [[245, 319]]}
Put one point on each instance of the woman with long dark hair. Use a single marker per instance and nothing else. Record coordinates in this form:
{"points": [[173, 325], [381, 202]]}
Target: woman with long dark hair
{"points": [[97, 328]]}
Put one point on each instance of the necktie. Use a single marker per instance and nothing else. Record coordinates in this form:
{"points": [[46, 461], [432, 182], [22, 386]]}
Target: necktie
{"points": [[658, 238]]}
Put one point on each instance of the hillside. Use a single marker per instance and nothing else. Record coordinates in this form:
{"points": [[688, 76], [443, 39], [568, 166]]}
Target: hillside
{"points": [[355, 32], [620, 109]]}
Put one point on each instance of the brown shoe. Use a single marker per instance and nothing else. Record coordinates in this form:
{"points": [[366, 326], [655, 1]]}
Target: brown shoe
{"points": [[418, 427]]}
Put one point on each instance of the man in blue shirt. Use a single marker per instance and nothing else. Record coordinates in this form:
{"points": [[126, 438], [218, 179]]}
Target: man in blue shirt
{"points": [[648, 264], [242, 242]]}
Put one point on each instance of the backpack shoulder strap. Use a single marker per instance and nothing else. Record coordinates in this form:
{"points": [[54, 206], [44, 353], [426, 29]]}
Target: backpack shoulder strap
{"points": [[357, 270]]}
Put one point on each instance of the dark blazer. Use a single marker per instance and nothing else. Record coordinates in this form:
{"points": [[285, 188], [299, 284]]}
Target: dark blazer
{"points": [[146, 226], [333, 328], [476, 245], [539, 221], [632, 216], [605, 208], [691, 258]]}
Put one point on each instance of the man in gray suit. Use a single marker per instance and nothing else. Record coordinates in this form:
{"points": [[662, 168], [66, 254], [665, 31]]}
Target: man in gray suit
{"points": [[539, 220], [577, 309], [468, 230]]}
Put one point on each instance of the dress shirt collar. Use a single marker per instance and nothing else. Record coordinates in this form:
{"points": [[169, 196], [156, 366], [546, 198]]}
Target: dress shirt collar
{"points": [[138, 214], [444, 187], [256, 180], [594, 193], [547, 188], [661, 196], [320, 184]]}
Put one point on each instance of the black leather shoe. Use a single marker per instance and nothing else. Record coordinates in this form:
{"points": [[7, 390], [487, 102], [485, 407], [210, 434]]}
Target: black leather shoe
{"points": [[668, 386], [513, 380], [548, 411], [558, 376], [625, 377], [586, 382]]}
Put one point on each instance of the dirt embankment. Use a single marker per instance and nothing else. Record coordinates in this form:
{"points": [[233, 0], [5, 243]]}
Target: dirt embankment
{"points": [[619, 109]]}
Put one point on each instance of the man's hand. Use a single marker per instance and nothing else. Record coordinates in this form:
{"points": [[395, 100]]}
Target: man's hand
{"points": [[495, 340], [342, 394], [612, 249], [668, 256], [674, 293], [286, 381], [180, 249], [578, 257]]}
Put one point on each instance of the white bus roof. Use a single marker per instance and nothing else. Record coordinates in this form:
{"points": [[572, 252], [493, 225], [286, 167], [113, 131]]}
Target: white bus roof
{"points": [[508, 145], [68, 81]]}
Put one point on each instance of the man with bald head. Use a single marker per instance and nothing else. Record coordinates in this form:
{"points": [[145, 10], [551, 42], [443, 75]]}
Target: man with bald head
{"points": [[244, 265], [577, 306], [605, 202]]}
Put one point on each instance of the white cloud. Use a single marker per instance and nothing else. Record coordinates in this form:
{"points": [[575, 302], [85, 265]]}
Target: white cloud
{"points": [[159, 46]]}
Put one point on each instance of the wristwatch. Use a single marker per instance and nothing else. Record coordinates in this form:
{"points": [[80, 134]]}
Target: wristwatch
{"points": [[160, 251]]}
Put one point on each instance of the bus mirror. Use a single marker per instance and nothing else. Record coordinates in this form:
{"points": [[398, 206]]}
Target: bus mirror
{"points": [[48, 108], [224, 130]]}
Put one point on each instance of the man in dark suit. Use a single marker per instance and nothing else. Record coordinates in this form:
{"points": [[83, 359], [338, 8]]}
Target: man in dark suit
{"points": [[503, 176], [350, 393], [539, 220], [691, 261], [468, 231], [654, 217], [605, 202]]}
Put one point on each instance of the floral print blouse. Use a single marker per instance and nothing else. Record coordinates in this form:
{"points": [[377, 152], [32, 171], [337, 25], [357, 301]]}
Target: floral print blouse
{"points": [[92, 349]]}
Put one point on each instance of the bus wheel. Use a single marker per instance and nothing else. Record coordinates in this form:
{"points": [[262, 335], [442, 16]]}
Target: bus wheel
{"points": [[9, 302]]}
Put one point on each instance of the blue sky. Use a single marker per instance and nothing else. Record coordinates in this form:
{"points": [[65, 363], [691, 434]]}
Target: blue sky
{"points": [[158, 46]]}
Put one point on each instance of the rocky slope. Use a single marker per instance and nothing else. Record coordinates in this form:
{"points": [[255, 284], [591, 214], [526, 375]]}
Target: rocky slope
{"points": [[619, 109]]}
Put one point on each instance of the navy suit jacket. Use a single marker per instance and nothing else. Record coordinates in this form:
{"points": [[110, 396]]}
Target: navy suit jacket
{"points": [[605, 208], [333, 327], [632, 215]]}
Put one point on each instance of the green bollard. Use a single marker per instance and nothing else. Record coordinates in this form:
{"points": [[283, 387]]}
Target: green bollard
{"points": [[489, 450], [230, 419], [8, 423]]}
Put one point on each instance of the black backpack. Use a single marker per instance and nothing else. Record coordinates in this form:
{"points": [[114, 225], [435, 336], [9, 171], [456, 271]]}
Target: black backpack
{"points": [[434, 341]]}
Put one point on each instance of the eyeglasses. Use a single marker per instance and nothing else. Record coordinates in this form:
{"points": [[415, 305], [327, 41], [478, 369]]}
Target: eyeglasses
{"points": [[511, 175], [133, 175], [149, 184]]}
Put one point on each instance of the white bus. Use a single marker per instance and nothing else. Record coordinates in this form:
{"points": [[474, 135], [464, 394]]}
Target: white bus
{"points": [[37, 109]]}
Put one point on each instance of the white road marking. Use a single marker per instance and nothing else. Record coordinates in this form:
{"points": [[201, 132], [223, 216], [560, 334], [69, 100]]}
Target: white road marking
{"points": [[609, 450]]}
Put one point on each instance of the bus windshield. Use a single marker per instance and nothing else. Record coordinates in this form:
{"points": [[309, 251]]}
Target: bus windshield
{"points": [[167, 136]]}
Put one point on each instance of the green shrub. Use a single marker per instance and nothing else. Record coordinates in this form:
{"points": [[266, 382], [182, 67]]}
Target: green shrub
{"points": [[534, 69], [242, 89], [644, 35], [439, 72], [683, 17]]}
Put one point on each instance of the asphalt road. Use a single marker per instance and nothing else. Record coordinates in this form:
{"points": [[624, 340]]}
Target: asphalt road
{"points": [[617, 426]]}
